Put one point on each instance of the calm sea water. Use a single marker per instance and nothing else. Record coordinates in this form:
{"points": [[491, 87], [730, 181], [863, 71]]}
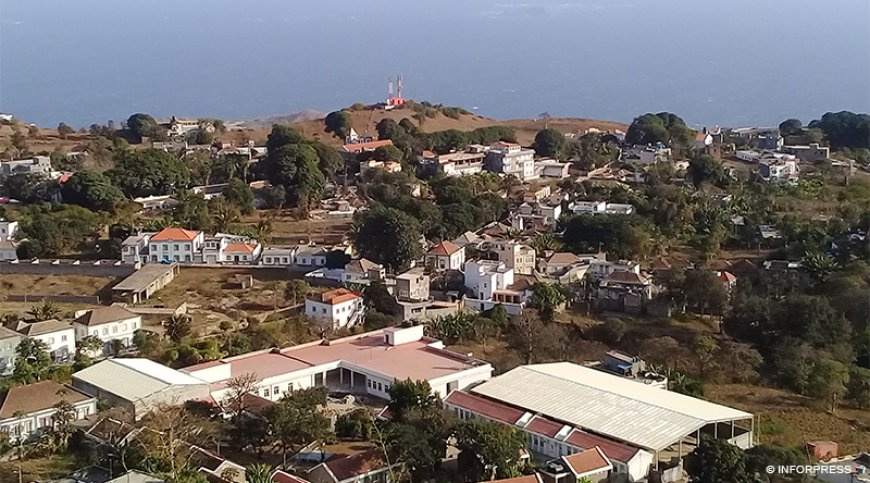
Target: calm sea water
{"points": [[728, 62]]}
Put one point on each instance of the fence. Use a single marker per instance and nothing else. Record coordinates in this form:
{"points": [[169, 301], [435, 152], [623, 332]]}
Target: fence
{"points": [[101, 268], [61, 299]]}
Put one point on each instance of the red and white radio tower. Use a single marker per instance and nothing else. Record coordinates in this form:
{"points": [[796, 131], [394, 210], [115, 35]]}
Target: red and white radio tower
{"points": [[394, 99]]}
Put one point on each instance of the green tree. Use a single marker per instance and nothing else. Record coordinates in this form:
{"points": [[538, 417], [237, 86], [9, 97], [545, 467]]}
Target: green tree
{"points": [[89, 344], [295, 167], [58, 229], [178, 327], [409, 396], [717, 461], [92, 190], [143, 125], [859, 387], [663, 127], [357, 424], [549, 143], [192, 211], [258, 473], [388, 153], [296, 290], [26, 187], [240, 195], [546, 299], [612, 331], [704, 291], [845, 129], [295, 420], [329, 159], [338, 123], [148, 172], [223, 214], [706, 168], [275, 197], [828, 380], [389, 237], [622, 236], [64, 130], [790, 127], [759, 458], [33, 362], [44, 310], [488, 450]]}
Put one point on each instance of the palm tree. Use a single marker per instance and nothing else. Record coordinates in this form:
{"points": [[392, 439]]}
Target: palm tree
{"points": [[819, 265], [264, 230], [544, 242], [44, 311], [258, 473], [117, 346]]}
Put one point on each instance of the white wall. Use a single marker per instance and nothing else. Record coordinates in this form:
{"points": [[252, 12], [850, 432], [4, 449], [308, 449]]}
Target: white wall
{"points": [[123, 330], [59, 340], [29, 424]]}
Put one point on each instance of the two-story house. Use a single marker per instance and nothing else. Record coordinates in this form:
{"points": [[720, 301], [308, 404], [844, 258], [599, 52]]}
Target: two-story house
{"points": [[515, 255], [25, 411], [490, 283], [446, 256], [134, 248], [107, 324], [57, 335], [175, 245], [362, 271], [337, 308], [8, 229], [412, 286], [9, 340]]}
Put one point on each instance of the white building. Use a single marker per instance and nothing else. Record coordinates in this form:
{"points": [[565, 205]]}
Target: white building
{"points": [[139, 386], [310, 256], [516, 256], [599, 207], [107, 324], [600, 268], [662, 423], [337, 308], [362, 271], [646, 155], [491, 283], [35, 165], [779, 171], [8, 229], [446, 256], [58, 336], [277, 256], [511, 159], [134, 248], [703, 140], [550, 168], [25, 411], [175, 245], [364, 364]]}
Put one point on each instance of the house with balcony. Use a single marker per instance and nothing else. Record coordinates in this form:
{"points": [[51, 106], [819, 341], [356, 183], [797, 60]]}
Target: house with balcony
{"points": [[134, 248], [490, 283], [511, 159], [446, 255], [27, 411], [107, 324], [470, 160], [778, 171], [336, 309], [58, 337], [175, 245], [515, 255]]}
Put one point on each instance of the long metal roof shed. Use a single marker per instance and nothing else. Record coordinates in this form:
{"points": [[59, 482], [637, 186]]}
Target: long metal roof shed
{"points": [[610, 405]]}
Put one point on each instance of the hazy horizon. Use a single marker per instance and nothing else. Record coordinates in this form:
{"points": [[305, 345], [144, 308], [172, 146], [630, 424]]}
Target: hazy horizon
{"points": [[729, 63]]}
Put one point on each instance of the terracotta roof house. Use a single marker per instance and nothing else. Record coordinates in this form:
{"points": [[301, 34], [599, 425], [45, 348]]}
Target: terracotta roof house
{"points": [[356, 148], [363, 466], [283, 477], [173, 234], [446, 256], [591, 464], [25, 410], [337, 308]]}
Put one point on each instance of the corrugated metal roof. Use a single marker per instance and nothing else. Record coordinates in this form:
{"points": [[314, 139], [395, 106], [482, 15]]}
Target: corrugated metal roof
{"points": [[133, 379], [629, 411]]}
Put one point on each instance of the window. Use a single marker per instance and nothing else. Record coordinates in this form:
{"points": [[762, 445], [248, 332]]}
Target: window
{"points": [[63, 338], [124, 327], [51, 341], [266, 392], [165, 247], [95, 332], [187, 258], [276, 390], [105, 331], [268, 260], [114, 329], [290, 387], [175, 247], [153, 258]]}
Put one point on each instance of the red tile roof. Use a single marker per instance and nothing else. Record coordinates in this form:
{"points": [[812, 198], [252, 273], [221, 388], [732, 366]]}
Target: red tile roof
{"points": [[173, 234], [240, 248], [590, 461], [282, 477], [445, 248], [484, 407], [337, 296], [520, 479], [613, 450], [544, 426], [369, 146], [357, 465], [727, 277]]}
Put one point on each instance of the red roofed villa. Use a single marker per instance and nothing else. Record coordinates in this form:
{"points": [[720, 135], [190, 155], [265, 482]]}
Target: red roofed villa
{"points": [[446, 256], [337, 308]]}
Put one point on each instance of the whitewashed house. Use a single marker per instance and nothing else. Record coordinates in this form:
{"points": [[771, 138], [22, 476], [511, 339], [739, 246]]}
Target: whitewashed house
{"points": [[446, 256], [175, 245], [58, 336], [277, 256], [490, 283], [25, 411], [310, 256], [134, 248], [337, 308], [107, 324], [8, 251]]}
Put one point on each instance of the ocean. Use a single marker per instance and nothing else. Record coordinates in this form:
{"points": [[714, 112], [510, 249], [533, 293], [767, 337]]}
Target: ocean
{"points": [[729, 63]]}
